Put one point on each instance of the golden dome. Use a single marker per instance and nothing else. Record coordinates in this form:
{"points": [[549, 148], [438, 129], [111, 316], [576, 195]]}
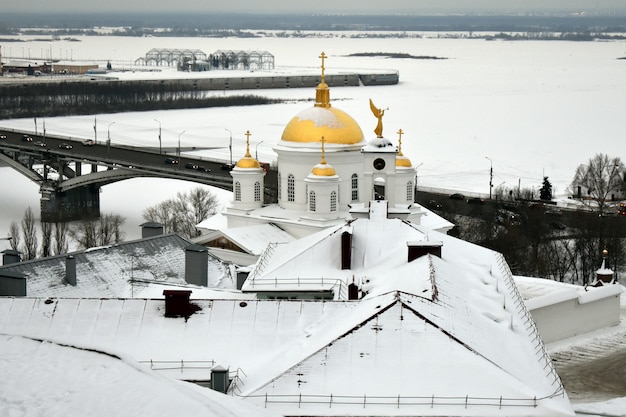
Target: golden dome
{"points": [[403, 162], [248, 161], [335, 125], [323, 170]]}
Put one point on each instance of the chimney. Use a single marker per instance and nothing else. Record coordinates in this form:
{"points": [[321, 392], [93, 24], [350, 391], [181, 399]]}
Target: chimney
{"points": [[11, 256], [419, 249], [346, 250], [12, 284], [70, 270], [353, 290], [177, 303], [151, 229], [196, 265], [219, 379]]}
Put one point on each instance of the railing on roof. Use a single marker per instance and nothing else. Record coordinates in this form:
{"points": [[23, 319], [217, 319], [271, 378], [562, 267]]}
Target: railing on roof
{"points": [[531, 327], [399, 401], [336, 285]]}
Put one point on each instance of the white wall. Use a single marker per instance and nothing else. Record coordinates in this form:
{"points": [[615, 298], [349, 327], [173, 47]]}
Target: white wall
{"points": [[569, 313]]}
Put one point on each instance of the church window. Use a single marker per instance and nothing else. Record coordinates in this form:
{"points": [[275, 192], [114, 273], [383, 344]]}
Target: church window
{"points": [[312, 201], [237, 191], [355, 187], [409, 191], [333, 201], [257, 191], [291, 188]]}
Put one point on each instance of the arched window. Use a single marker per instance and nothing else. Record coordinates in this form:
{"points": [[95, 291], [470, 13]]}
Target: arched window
{"points": [[333, 201], [312, 201], [279, 187], [237, 191], [355, 187], [257, 191], [291, 188], [409, 191]]}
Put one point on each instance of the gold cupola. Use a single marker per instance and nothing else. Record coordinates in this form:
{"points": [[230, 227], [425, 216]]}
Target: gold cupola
{"points": [[401, 160], [323, 120], [248, 161], [323, 169]]}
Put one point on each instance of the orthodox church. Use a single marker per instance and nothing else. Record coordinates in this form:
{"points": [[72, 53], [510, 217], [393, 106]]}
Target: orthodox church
{"points": [[327, 173]]}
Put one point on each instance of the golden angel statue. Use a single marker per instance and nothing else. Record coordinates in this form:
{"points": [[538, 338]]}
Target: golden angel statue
{"points": [[378, 113]]}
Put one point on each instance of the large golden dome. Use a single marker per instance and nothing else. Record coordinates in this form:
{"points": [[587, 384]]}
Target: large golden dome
{"points": [[335, 125]]}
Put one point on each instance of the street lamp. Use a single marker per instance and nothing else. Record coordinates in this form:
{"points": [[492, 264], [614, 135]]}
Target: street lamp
{"points": [[256, 151], [490, 175], [109, 136], [159, 135], [230, 146], [178, 150]]}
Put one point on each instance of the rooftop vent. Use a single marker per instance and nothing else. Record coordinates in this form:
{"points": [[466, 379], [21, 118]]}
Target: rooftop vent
{"points": [[419, 249], [177, 303], [151, 229], [70, 270]]}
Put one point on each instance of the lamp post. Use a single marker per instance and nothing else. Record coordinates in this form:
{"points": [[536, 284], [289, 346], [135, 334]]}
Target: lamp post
{"points": [[159, 135], [178, 150], [256, 151], [230, 146], [490, 175], [109, 137]]}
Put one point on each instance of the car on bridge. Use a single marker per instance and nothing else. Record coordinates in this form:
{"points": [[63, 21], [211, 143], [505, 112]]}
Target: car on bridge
{"points": [[171, 161], [65, 146], [2, 136], [89, 142], [189, 165], [26, 138], [41, 144]]}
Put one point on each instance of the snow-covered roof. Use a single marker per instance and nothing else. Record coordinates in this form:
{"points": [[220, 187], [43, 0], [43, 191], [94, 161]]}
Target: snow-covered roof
{"points": [[98, 383], [125, 269], [252, 239]]}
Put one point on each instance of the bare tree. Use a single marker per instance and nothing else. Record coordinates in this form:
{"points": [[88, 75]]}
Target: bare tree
{"points": [[85, 234], [61, 232], [14, 232], [106, 230], [600, 178], [182, 214], [109, 229], [46, 239], [29, 231]]}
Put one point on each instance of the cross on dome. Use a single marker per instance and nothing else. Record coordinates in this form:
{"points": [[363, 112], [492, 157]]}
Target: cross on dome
{"points": [[400, 133], [322, 93], [323, 57], [248, 134]]}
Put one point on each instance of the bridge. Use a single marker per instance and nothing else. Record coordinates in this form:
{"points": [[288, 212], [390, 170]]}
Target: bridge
{"points": [[70, 171]]}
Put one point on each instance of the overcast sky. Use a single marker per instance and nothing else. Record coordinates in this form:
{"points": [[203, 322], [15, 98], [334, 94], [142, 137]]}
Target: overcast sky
{"points": [[318, 6]]}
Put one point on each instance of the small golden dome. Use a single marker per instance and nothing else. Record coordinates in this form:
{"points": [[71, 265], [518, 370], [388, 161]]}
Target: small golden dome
{"points": [[403, 162], [248, 161], [323, 170], [334, 124]]}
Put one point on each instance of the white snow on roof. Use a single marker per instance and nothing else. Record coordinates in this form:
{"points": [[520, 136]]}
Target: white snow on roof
{"points": [[56, 379]]}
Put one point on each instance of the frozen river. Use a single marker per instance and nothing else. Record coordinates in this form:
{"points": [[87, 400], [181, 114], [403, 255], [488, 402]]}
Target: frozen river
{"points": [[528, 108]]}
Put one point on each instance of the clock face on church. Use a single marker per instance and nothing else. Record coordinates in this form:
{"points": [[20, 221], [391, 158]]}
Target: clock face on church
{"points": [[379, 164]]}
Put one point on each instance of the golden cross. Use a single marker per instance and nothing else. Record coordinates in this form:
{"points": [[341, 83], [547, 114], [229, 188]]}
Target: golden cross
{"points": [[248, 134], [323, 56], [323, 161], [400, 133]]}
